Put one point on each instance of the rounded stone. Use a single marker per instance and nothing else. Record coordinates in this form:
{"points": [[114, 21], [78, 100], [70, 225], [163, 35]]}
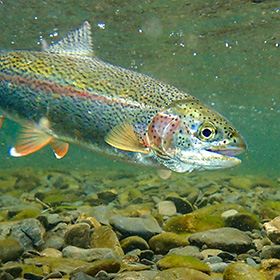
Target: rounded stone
{"points": [[110, 266], [165, 241], [78, 235], [166, 208], [193, 222], [183, 206], [172, 261], [227, 239], [144, 227], [181, 273], [134, 242], [10, 249], [243, 221], [131, 275], [242, 271], [105, 237]]}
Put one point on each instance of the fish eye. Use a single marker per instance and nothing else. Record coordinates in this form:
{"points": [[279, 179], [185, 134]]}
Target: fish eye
{"points": [[207, 131]]}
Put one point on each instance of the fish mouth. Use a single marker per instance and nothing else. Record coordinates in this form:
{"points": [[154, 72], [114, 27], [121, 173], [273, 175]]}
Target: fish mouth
{"points": [[230, 151]]}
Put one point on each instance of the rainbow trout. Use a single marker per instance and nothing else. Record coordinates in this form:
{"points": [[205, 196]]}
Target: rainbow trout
{"points": [[65, 94]]}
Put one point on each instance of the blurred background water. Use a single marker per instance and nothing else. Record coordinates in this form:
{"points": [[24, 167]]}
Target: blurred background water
{"points": [[225, 52]]}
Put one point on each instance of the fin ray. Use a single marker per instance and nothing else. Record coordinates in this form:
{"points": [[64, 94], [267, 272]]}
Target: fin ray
{"points": [[123, 137], [60, 148], [30, 140], [77, 42]]}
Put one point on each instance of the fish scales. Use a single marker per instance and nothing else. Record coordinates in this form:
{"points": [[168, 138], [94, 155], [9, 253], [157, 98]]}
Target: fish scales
{"points": [[74, 97]]}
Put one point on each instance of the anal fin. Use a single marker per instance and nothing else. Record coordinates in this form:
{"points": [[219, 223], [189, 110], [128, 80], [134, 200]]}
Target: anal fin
{"points": [[31, 139], [60, 148]]}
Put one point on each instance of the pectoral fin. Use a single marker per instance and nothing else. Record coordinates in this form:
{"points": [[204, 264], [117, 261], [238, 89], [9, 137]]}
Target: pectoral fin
{"points": [[60, 148], [123, 137], [31, 139]]}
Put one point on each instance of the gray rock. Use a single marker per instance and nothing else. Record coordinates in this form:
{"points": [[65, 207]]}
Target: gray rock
{"points": [[131, 275], [144, 227], [78, 235], [29, 232], [219, 267], [13, 269], [54, 219], [192, 251], [88, 255], [81, 276], [214, 259], [270, 252], [10, 249], [55, 238], [101, 213], [166, 208], [227, 239]]}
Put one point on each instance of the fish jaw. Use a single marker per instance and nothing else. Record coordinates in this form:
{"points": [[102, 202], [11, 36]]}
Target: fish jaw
{"points": [[202, 160]]}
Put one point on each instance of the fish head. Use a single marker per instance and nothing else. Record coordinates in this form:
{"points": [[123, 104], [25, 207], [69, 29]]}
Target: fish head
{"points": [[188, 135]]}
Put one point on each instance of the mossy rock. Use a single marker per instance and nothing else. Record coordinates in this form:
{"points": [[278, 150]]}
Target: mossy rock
{"points": [[242, 271], [181, 273], [26, 214], [109, 265], [10, 249], [217, 210], [134, 242], [58, 198], [63, 265], [172, 261], [32, 269], [163, 242], [243, 221], [193, 222], [105, 237], [242, 182]]}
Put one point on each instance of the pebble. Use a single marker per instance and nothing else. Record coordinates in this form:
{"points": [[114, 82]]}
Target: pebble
{"points": [[144, 227], [243, 221], [163, 242], [88, 255], [10, 249], [105, 237], [183, 206], [166, 208], [125, 239], [172, 261], [273, 230], [134, 242], [242, 271], [180, 273], [227, 239], [78, 235]]}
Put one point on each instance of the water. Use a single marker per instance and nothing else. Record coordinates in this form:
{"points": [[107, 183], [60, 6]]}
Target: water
{"points": [[226, 53]]}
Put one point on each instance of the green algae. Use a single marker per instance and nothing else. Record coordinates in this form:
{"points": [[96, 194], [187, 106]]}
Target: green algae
{"points": [[163, 242], [193, 222], [26, 214], [172, 261]]}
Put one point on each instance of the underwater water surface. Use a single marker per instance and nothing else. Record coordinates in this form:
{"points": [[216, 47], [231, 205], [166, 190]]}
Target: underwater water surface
{"points": [[226, 53]]}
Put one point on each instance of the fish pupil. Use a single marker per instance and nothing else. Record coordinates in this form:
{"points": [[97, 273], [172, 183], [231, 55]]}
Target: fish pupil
{"points": [[206, 132]]}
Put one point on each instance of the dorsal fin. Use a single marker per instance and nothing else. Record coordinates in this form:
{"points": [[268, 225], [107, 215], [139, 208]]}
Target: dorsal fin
{"points": [[77, 42]]}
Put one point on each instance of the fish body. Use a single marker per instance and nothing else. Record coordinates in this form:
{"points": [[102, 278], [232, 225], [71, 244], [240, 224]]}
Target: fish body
{"points": [[65, 94]]}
